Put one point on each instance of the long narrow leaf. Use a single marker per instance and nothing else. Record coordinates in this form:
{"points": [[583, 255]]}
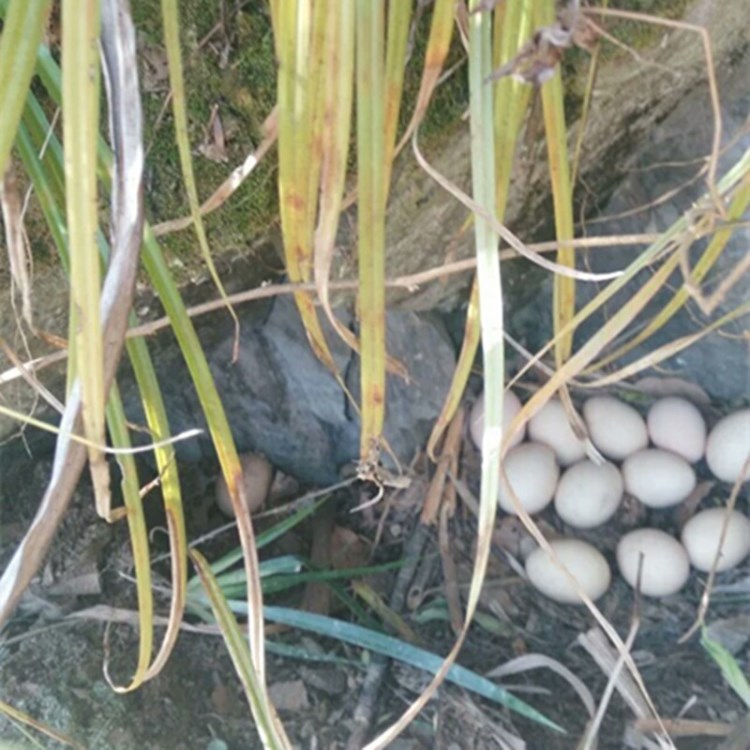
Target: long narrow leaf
{"points": [[404, 652], [564, 298], [266, 721], [371, 213], [80, 63], [171, 20], [23, 27]]}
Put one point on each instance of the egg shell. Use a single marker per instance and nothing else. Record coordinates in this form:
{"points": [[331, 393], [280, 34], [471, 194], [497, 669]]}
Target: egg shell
{"points": [[658, 478], [676, 425], [585, 563], [701, 535], [728, 447], [615, 427], [511, 406], [550, 426], [532, 472], [257, 475], [666, 566], [588, 494]]}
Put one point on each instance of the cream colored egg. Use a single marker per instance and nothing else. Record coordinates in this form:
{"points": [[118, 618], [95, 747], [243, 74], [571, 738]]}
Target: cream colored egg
{"points": [[676, 425], [550, 426], [665, 566], [532, 472], [257, 474], [511, 406], [728, 447], [588, 495], [585, 563], [702, 533], [616, 428], [658, 478]]}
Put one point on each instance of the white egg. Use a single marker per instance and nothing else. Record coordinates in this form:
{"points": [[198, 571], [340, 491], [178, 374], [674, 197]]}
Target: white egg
{"points": [[676, 425], [588, 494], [532, 472], [511, 406], [658, 478], [702, 533], [257, 476], [728, 447], [550, 426], [616, 428], [583, 561], [665, 567]]}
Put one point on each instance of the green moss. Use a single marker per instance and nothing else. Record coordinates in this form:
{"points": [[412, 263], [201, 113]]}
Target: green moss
{"points": [[234, 69]]}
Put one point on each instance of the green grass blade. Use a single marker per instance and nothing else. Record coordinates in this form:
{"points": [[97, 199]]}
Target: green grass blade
{"points": [[23, 28], [404, 652], [730, 669], [371, 217], [564, 288], [80, 64], [118, 430], [171, 21], [267, 722]]}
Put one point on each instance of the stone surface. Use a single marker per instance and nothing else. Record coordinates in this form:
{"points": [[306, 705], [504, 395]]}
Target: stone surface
{"points": [[282, 402]]}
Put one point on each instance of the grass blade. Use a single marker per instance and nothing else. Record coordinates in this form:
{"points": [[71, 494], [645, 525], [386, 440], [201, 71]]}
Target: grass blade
{"points": [[171, 20], [371, 219], [80, 64], [23, 28], [403, 652], [564, 291], [267, 722]]}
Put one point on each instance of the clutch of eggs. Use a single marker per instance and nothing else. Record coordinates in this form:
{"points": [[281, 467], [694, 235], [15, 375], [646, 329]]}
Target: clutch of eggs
{"points": [[588, 494]]}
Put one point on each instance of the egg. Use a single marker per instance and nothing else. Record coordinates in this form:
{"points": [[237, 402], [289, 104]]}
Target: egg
{"points": [[702, 533], [550, 426], [665, 566], [532, 472], [616, 428], [728, 447], [676, 425], [586, 564], [588, 494], [658, 478], [257, 475], [511, 406]]}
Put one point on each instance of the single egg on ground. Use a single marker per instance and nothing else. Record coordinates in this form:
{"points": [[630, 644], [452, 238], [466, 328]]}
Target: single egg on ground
{"points": [[658, 478], [257, 474], [550, 426], [728, 447], [665, 567], [532, 472], [588, 494], [586, 564], [511, 406], [615, 427], [676, 425], [702, 533]]}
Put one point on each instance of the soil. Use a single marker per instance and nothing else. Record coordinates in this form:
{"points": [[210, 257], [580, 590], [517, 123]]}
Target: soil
{"points": [[52, 661]]}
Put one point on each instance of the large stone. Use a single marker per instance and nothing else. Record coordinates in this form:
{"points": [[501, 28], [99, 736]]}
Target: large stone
{"points": [[281, 401]]}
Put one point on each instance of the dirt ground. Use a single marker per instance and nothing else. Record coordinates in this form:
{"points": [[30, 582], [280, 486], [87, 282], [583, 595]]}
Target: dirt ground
{"points": [[51, 662]]}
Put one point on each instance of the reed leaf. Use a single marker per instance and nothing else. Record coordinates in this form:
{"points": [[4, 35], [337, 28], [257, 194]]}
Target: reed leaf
{"points": [[80, 65], [512, 28], [371, 219], [267, 722], [564, 291], [171, 21], [23, 28]]}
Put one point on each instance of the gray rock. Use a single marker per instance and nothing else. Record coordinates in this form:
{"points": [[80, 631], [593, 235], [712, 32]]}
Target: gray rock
{"points": [[282, 402], [661, 183]]}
